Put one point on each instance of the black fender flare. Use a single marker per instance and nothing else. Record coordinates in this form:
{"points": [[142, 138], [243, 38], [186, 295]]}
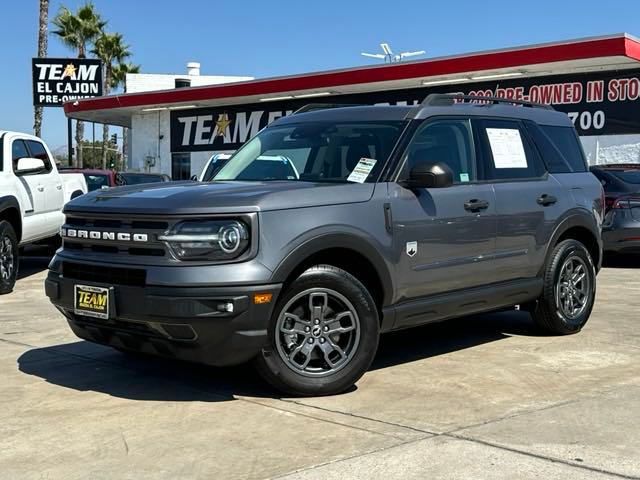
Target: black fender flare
{"points": [[7, 202], [337, 240], [575, 218]]}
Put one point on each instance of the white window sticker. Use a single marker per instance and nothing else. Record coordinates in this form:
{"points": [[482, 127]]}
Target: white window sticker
{"points": [[362, 170], [507, 148]]}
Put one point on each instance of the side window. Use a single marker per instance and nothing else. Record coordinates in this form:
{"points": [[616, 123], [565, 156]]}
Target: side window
{"points": [[446, 141], [553, 159], [566, 141], [18, 151], [508, 153], [37, 150]]}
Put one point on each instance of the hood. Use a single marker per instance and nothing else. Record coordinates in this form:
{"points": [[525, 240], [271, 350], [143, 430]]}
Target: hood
{"points": [[189, 198]]}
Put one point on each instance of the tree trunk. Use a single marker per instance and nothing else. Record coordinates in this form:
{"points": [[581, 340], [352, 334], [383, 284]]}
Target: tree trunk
{"points": [[42, 52], [79, 138], [105, 144], [105, 128], [79, 124], [125, 148]]}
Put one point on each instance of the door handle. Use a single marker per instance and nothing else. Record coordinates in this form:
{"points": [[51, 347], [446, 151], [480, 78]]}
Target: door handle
{"points": [[476, 205], [40, 189], [546, 200], [59, 187]]}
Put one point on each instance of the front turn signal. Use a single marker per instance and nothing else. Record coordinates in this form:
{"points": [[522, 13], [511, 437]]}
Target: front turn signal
{"points": [[260, 298]]}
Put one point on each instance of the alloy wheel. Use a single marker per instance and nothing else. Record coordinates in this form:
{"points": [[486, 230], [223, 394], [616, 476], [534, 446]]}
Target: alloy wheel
{"points": [[573, 289], [6, 258], [317, 332]]}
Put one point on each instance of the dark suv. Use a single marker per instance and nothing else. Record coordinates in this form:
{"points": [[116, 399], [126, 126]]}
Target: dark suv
{"points": [[395, 216], [621, 226]]}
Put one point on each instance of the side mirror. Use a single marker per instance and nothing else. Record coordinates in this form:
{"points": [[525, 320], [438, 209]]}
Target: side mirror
{"points": [[194, 178], [430, 175], [29, 165]]}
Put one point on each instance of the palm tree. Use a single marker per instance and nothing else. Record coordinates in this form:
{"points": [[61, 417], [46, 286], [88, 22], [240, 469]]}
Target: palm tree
{"points": [[42, 52], [77, 31], [119, 78], [111, 49]]}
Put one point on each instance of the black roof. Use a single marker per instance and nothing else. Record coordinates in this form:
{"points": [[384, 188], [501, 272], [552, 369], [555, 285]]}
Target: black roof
{"points": [[349, 113], [541, 116], [617, 166]]}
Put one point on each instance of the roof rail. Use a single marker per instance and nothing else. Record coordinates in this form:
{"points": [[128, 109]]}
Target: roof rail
{"points": [[442, 99], [310, 107]]}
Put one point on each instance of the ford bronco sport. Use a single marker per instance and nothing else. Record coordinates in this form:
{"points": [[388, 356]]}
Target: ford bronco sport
{"points": [[395, 216]]}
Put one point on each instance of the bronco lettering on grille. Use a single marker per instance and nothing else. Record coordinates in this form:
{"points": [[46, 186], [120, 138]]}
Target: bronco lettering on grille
{"points": [[102, 235]]}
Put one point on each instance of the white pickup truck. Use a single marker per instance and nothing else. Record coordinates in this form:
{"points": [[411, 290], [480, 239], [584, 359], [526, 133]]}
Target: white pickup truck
{"points": [[32, 194]]}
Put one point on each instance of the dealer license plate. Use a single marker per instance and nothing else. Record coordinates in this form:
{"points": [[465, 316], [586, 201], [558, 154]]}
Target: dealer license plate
{"points": [[91, 301]]}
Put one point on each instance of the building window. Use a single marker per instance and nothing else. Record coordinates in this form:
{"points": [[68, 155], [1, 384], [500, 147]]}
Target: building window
{"points": [[180, 166]]}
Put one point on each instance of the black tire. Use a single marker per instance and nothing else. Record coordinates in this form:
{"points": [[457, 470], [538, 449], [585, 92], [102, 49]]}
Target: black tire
{"points": [[9, 257], [273, 363], [548, 312]]}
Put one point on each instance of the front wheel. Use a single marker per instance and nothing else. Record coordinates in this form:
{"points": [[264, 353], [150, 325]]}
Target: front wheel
{"points": [[8, 257], [323, 335], [569, 290]]}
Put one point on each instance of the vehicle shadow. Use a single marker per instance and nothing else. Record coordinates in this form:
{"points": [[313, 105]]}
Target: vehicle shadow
{"points": [[621, 261], [34, 259], [84, 366]]}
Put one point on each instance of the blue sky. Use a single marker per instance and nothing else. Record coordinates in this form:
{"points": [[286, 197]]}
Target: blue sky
{"points": [[268, 38]]}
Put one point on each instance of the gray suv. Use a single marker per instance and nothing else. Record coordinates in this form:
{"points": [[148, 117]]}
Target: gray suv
{"points": [[334, 225]]}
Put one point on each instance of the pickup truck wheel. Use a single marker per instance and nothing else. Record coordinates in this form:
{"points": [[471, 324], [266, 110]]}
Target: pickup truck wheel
{"points": [[569, 290], [8, 257], [323, 335]]}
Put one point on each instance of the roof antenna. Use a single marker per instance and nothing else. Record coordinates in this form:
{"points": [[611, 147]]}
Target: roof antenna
{"points": [[389, 57]]}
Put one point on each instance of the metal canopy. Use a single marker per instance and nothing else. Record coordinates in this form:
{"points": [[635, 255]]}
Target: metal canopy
{"points": [[615, 52]]}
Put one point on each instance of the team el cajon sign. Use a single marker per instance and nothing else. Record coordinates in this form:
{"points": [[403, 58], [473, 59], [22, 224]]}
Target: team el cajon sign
{"points": [[59, 80]]}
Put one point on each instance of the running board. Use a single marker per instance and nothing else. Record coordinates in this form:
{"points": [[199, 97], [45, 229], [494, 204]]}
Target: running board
{"points": [[461, 303]]}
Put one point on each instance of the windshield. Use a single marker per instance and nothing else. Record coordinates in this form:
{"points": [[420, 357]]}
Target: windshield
{"points": [[315, 152], [96, 181], [628, 176]]}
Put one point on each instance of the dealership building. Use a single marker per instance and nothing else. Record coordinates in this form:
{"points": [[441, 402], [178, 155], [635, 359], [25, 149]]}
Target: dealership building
{"points": [[178, 121]]}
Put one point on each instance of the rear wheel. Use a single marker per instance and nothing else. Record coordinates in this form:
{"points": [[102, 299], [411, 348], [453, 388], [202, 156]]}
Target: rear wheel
{"points": [[569, 290], [323, 335], [8, 257]]}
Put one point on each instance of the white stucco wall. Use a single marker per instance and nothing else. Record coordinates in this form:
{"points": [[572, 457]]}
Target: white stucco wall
{"points": [[146, 142], [146, 130], [612, 149], [147, 82]]}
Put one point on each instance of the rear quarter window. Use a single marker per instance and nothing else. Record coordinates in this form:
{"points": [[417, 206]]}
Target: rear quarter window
{"points": [[628, 176], [567, 144]]}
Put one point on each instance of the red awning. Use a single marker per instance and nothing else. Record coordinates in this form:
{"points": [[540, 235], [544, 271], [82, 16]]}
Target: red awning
{"points": [[575, 56]]}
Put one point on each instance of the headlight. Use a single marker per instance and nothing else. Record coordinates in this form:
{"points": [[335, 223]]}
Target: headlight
{"points": [[208, 239]]}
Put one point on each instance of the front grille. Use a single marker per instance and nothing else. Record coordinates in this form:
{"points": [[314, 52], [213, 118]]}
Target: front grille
{"points": [[110, 224], [105, 274]]}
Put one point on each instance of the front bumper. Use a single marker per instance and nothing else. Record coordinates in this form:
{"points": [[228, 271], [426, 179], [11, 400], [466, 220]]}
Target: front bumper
{"points": [[178, 322]]}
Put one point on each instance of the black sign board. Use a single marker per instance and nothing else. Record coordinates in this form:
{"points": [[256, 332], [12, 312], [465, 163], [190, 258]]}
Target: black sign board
{"points": [[598, 104], [58, 80]]}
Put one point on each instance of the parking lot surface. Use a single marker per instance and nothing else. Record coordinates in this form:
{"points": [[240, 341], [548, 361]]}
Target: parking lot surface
{"points": [[484, 397]]}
